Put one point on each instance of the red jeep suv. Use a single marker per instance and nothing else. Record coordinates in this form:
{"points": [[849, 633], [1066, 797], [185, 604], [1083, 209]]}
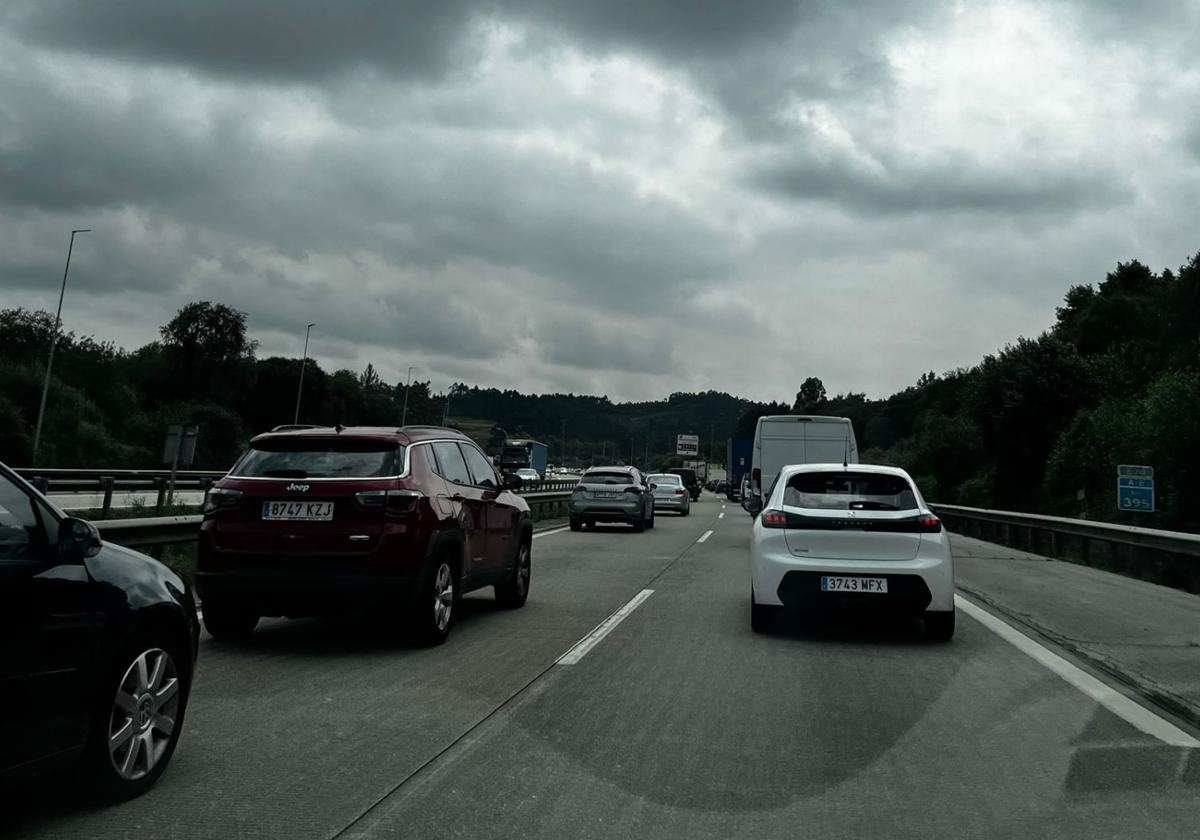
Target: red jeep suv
{"points": [[313, 521]]}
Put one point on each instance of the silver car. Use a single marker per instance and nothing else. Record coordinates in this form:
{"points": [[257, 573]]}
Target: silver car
{"points": [[669, 493], [612, 494]]}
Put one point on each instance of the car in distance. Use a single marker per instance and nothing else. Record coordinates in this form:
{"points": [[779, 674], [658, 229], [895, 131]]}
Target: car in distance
{"points": [[835, 537], [529, 476], [669, 493], [688, 476], [612, 494], [99, 647], [332, 519]]}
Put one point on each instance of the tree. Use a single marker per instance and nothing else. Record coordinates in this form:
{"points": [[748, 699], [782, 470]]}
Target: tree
{"points": [[811, 397]]}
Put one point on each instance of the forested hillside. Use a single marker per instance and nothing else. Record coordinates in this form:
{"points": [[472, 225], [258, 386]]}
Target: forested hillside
{"points": [[1115, 380]]}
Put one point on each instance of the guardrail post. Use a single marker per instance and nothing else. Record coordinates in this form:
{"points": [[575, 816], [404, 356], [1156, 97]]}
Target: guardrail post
{"points": [[161, 486], [106, 507]]}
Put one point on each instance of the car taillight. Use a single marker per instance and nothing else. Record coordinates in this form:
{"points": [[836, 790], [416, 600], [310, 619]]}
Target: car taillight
{"points": [[579, 488], [680, 492], [392, 501], [635, 490], [756, 477], [774, 519], [929, 524], [222, 498]]}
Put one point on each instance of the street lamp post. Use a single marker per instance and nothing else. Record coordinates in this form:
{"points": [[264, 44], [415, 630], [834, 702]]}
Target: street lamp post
{"points": [[37, 430], [407, 388], [303, 364]]}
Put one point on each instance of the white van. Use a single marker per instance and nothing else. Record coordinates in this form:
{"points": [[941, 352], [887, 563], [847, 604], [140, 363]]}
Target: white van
{"points": [[784, 439]]}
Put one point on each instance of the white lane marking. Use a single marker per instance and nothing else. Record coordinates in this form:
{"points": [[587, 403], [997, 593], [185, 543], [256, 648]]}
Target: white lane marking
{"points": [[704, 536], [1133, 713], [581, 648], [537, 534], [721, 515]]}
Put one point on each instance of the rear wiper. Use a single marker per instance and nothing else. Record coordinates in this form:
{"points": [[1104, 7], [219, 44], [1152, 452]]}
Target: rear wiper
{"points": [[865, 505], [285, 473]]}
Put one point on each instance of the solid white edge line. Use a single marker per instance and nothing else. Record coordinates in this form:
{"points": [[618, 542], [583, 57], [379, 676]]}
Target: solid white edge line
{"points": [[1132, 713], [537, 534], [704, 536], [581, 648]]}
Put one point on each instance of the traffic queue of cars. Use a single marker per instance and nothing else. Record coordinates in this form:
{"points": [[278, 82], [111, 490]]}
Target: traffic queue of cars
{"points": [[320, 520]]}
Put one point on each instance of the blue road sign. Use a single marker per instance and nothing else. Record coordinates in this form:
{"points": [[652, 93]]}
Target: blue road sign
{"points": [[1135, 493]]}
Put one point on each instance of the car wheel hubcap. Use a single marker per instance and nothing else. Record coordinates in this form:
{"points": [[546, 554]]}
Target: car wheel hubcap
{"points": [[523, 571], [143, 716], [443, 596]]}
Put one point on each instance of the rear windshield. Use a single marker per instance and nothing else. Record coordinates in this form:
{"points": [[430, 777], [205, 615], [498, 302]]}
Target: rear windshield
{"points": [[665, 478], [320, 459], [849, 491], [608, 478]]}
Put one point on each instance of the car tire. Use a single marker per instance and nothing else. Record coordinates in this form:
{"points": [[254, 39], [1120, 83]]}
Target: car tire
{"points": [[686, 511], [146, 685], [650, 522], [226, 621], [763, 617], [513, 593], [639, 525], [939, 626], [436, 604], [576, 524]]}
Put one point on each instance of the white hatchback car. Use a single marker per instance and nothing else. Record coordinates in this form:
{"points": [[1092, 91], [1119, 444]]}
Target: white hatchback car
{"points": [[832, 536]]}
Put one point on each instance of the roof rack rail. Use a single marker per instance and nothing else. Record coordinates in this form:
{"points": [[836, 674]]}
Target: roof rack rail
{"points": [[424, 426], [295, 427]]}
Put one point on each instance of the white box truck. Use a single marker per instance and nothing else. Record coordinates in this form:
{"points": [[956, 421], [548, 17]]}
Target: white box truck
{"points": [[783, 439]]}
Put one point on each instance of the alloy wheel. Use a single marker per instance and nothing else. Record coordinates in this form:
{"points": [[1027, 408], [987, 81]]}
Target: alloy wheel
{"points": [[144, 712], [443, 597]]}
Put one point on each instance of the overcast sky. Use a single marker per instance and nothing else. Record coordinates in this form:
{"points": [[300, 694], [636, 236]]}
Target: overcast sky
{"points": [[630, 197]]}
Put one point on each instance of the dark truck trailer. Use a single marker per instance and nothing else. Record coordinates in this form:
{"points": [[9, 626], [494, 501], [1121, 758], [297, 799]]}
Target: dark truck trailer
{"points": [[524, 454], [738, 454]]}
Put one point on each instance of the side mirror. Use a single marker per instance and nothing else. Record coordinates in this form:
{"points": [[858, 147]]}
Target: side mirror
{"points": [[752, 505], [77, 540], [653, 486], [512, 481]]}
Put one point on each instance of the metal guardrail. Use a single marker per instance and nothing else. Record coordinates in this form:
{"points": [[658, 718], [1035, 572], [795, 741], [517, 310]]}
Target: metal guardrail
{"points": [[1165, 557], [173, 530]]}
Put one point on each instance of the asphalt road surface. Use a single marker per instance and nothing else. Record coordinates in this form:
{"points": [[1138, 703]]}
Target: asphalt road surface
{"points": [[679, 722]]}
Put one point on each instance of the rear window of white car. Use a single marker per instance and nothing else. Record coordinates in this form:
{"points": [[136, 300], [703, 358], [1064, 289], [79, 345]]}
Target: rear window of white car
{"points": [[849, 491], [664, 478], [607, 478]]}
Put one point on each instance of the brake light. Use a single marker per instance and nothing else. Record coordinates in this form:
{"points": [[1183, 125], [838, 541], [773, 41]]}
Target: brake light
{"points": [[680, 492], [391, 501], [774, 519], [222, 498], [929, 524], [634, 489], [756, 477]]}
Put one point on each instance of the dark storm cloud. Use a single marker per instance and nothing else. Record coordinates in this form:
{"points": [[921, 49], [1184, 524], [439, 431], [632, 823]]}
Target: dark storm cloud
{"points": [[298, 40], [952, 185]]}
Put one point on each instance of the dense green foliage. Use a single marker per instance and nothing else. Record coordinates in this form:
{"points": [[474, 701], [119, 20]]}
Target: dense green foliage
{"points": [[1040, 425]]}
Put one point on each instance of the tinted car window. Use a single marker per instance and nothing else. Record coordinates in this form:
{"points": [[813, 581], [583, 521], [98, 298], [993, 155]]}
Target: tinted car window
{"points": [[451, 465], [665, 478], [608, 478], [320, 459], [20, 530], [481, 470], [849, 491]]}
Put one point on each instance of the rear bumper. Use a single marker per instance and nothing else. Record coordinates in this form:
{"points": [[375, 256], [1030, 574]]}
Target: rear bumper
{"points": [[304, 593], [925, 583], [605, 511], [670, 503]]}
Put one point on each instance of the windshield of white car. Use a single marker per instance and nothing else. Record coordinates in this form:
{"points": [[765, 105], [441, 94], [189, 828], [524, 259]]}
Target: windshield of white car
{"points": [[848, 491]]}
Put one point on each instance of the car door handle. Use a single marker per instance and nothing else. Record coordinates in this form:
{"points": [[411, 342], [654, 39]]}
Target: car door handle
{"points": [[458, 497]]}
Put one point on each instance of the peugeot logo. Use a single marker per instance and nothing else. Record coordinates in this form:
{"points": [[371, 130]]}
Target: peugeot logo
{"points": [[300, 488]]}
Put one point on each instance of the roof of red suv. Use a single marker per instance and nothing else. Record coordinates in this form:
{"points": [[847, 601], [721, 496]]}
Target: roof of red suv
{"points": [[400, 434]]}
